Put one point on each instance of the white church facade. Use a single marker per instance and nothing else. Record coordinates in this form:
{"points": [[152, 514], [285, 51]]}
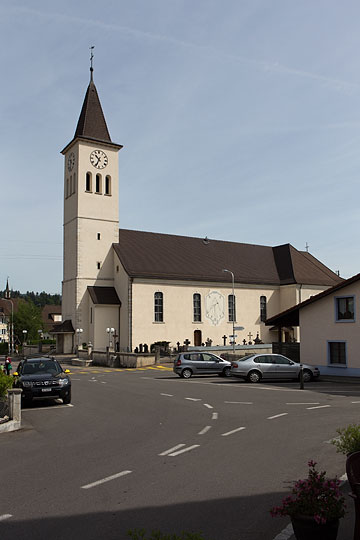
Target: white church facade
{"points": [[124, 288]]}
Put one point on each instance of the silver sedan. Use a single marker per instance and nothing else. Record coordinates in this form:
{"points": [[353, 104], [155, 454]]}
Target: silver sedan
{"points": [[255, 367]]}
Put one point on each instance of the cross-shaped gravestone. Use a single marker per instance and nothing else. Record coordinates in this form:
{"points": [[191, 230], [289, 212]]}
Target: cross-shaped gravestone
{"points": [[224, 338]]}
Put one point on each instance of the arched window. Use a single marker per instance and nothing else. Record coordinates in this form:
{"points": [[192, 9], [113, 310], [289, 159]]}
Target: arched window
{"points": [[98, 183], [159, 307], [197, 307], [232, 308], [263, 316], [108, 185], [88, 182]]}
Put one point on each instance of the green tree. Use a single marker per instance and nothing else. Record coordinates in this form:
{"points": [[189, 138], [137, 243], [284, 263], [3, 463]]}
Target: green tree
{"points": [[27, 317]]}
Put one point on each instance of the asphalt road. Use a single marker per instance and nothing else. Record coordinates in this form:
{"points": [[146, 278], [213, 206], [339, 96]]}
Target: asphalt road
{"points": [[146, 449]]}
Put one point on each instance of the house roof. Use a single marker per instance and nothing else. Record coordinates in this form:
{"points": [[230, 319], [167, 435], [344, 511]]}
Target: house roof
{"points": [[47, 315], [290, 317], [155, 255], [104, 295]]}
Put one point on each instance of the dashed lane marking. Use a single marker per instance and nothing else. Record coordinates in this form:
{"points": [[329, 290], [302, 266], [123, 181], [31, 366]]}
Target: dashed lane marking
{"points": [[319, 407], [208, 406], [169, 395], [193, 399], [307, 403], [173, 454], [204, 430], [233, 431], [241, 402], [107, 479], [5, 516], [167, 452], [277, 416], [215, 416]]}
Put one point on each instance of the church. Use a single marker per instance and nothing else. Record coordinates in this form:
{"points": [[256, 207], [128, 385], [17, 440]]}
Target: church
{"points": [[124, 289]]}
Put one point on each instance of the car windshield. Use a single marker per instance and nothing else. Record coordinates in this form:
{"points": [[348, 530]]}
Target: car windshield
{"points": [[244, 358], [37, 368]]}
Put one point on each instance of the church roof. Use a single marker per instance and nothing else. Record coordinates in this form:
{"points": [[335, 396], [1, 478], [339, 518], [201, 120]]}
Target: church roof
{"points": [[92, 124], [104, 295], [166, 256]]}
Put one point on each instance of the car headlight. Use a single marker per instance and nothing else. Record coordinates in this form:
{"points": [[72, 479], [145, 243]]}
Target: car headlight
{"points": [[27, 383], [63, 382]]}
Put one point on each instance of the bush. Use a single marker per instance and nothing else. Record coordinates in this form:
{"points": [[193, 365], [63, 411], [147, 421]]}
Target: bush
{"points": [[6, 382], [139, 534], [348, 441]]}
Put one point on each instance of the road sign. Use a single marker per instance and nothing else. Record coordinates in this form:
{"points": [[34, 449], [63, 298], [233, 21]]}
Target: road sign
{"points": [[238, 328]]}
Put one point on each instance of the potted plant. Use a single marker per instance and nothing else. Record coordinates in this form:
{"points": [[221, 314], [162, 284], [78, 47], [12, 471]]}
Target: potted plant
{"points": [[348, 440], [315, 506]]}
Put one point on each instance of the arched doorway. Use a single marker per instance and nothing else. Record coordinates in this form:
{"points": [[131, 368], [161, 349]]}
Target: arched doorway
{"points": [[197, 338]]}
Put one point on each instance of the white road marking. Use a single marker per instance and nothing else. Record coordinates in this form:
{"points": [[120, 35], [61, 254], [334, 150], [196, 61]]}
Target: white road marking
{"points": [[215, 416], [151, 378], [241, 402], [5, 516], [355, 402], [171, 450], [208, 406], [285, 533], [184, 450], [54, 407], [168, 395], [233, 431], [300, 403], [103, 382], [204, 430], [107, 479], [319, 407], [277, 416], [193, 399]]}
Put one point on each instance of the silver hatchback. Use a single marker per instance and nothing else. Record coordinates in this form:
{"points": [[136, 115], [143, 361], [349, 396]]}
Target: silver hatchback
{"points": [[200, 363], [255, 367]]}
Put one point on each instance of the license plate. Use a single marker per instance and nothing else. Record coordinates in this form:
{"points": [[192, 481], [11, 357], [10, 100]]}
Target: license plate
{"points": [[46, 389]]}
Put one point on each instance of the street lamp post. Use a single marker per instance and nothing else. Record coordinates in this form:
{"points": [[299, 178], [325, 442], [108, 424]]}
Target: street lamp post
{"points": [[110, 331], [11, 337], [24, 339], [40, 332], [233, 306], [78, 332]]}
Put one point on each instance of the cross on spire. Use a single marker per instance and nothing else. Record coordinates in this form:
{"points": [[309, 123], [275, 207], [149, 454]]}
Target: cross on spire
{"points": [[91, 61]]}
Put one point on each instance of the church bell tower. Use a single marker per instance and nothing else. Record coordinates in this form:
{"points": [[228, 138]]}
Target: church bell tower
{"points": [[91, 216]]}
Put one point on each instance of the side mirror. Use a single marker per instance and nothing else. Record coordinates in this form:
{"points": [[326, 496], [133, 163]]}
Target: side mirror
{"points": [[16, 374], [67, 371]]}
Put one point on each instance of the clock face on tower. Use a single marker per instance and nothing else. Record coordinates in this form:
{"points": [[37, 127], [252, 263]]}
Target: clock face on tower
{"points": [[71, 161], [98, 159], [214, 305]]}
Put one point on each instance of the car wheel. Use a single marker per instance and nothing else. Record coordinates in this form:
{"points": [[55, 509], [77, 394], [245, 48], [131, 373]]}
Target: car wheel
{"points": [[226, 372], [254, 377], [307, 375], [186, 373], [67, 399]]}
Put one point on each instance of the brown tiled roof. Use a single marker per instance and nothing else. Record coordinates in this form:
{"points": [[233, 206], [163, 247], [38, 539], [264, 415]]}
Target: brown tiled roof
{"points": [[5, 305], [66, 327], [165, 256], [104, 295], [293, 313], [92, 122], [46, 314]]}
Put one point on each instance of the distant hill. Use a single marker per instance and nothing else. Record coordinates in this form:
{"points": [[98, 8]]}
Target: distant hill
{"points": [[39, 299]]}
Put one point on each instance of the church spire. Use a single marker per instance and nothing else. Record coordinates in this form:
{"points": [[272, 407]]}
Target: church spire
{"points": [[7, 290], [91, 123]]}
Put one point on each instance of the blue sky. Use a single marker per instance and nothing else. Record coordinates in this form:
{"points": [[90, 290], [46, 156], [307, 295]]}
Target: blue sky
{"points": [[240, 121]]}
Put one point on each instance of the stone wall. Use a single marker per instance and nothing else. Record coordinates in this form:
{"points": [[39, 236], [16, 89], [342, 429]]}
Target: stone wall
{"points": [[122, 359]]}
